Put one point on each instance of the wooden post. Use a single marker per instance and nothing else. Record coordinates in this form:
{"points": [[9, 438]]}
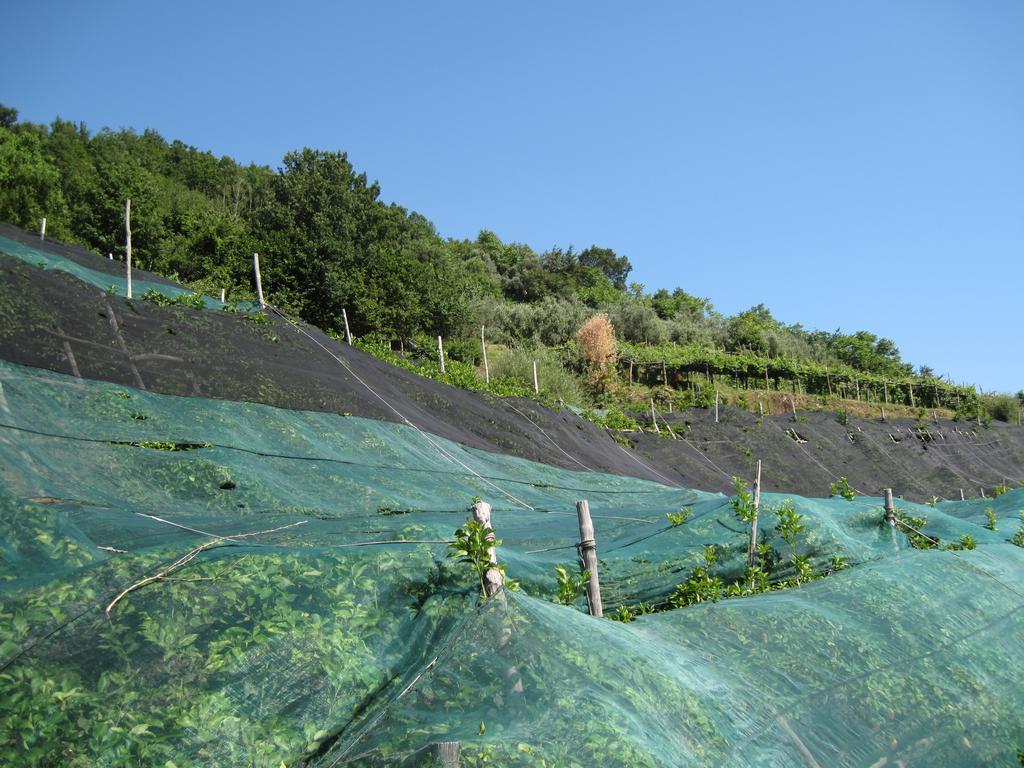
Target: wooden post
{"points": [[447, 753], [983, 493], [440, 352], [856, 383], [42, 229], [890, 510], [223, 294], [536, 386], [493, 580], [910, 388], [883, 412], [348, 333], [828, 380], [760, 407], [259, 280], [792, 403], [664, 373], [128, 245], [962, 495], [483, 347], [654, 418], [110, 256], [588, 553], [767, 385], [716, 405], [752, 546], [631, 373]]}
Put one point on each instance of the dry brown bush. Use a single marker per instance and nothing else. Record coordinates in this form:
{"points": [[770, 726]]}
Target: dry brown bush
{"points": [[596, 339]]}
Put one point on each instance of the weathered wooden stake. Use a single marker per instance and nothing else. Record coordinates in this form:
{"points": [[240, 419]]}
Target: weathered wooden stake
{"points": [[128, 245], [962, 495], [983, 493], [760, 408], [664, 373], [483, 346], [447, 753], [910, 387], [223, 294], [588, 553], [440, 352], [882, 409], [792, 403], [631, 373], [348, 333], [493, 580], [654, 418], [890, 509], [259, 280], [536, 386], [110, 256], [828, 381], [42, 229], [716, 405], [752, 546]]}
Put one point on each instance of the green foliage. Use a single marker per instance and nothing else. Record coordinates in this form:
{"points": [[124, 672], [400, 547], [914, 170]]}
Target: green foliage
{"points": [[966, 542], [1000, 489], [1018, 537], [742, 502], [472, 546], [990, 518], [702, 585], [843, 417], [191, 300], [842, 488], [678, 518], [570, 585]]}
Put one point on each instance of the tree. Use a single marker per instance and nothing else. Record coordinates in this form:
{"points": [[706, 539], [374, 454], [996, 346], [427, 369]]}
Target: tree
{"points": [[616, 268]]}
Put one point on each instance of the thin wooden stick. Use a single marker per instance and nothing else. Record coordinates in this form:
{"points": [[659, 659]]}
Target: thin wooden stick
{"points": [[483, 347], [42, 229], [348, 333], [188, 557], [752, 547], [440, 352], [128, 244], [259, 279], [654, 418], [536, 386]]}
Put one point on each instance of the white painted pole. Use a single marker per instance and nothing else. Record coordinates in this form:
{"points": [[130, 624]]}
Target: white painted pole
{"points": [[716, 405], [42, 229], [110, 256], [440, 352], [654, 418], [128, 245], [483, 346], [348, 333], [223, 294], [259, 279], [536, 387]]}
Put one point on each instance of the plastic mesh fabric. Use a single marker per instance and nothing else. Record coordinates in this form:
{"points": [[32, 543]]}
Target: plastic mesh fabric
{"points": [[344, 635], [117, 284]]}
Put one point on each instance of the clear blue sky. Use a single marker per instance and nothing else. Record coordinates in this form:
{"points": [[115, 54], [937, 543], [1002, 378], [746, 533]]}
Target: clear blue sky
{"points": [[854, 165]]}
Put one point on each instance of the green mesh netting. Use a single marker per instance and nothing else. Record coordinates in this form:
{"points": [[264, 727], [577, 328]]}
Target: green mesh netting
{"points": [[116, 284], [314, 619]]}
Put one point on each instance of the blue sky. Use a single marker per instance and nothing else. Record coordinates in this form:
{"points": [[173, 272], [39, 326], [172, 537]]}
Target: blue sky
{"points": [[854, 166]]}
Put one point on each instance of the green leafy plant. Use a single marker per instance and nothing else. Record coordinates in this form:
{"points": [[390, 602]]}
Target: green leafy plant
{"points": [[1000, 489], [990, 518], [743, 502], [843, 417], [790, 526], [842, 488], [1018, 537], [678, 518], [701, 586], [191, 300], [472, 545], [966, 542], [570, 585]]}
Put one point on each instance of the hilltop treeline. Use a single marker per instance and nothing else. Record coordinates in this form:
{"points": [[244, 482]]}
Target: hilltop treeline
{"points": [[327, 241]]}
